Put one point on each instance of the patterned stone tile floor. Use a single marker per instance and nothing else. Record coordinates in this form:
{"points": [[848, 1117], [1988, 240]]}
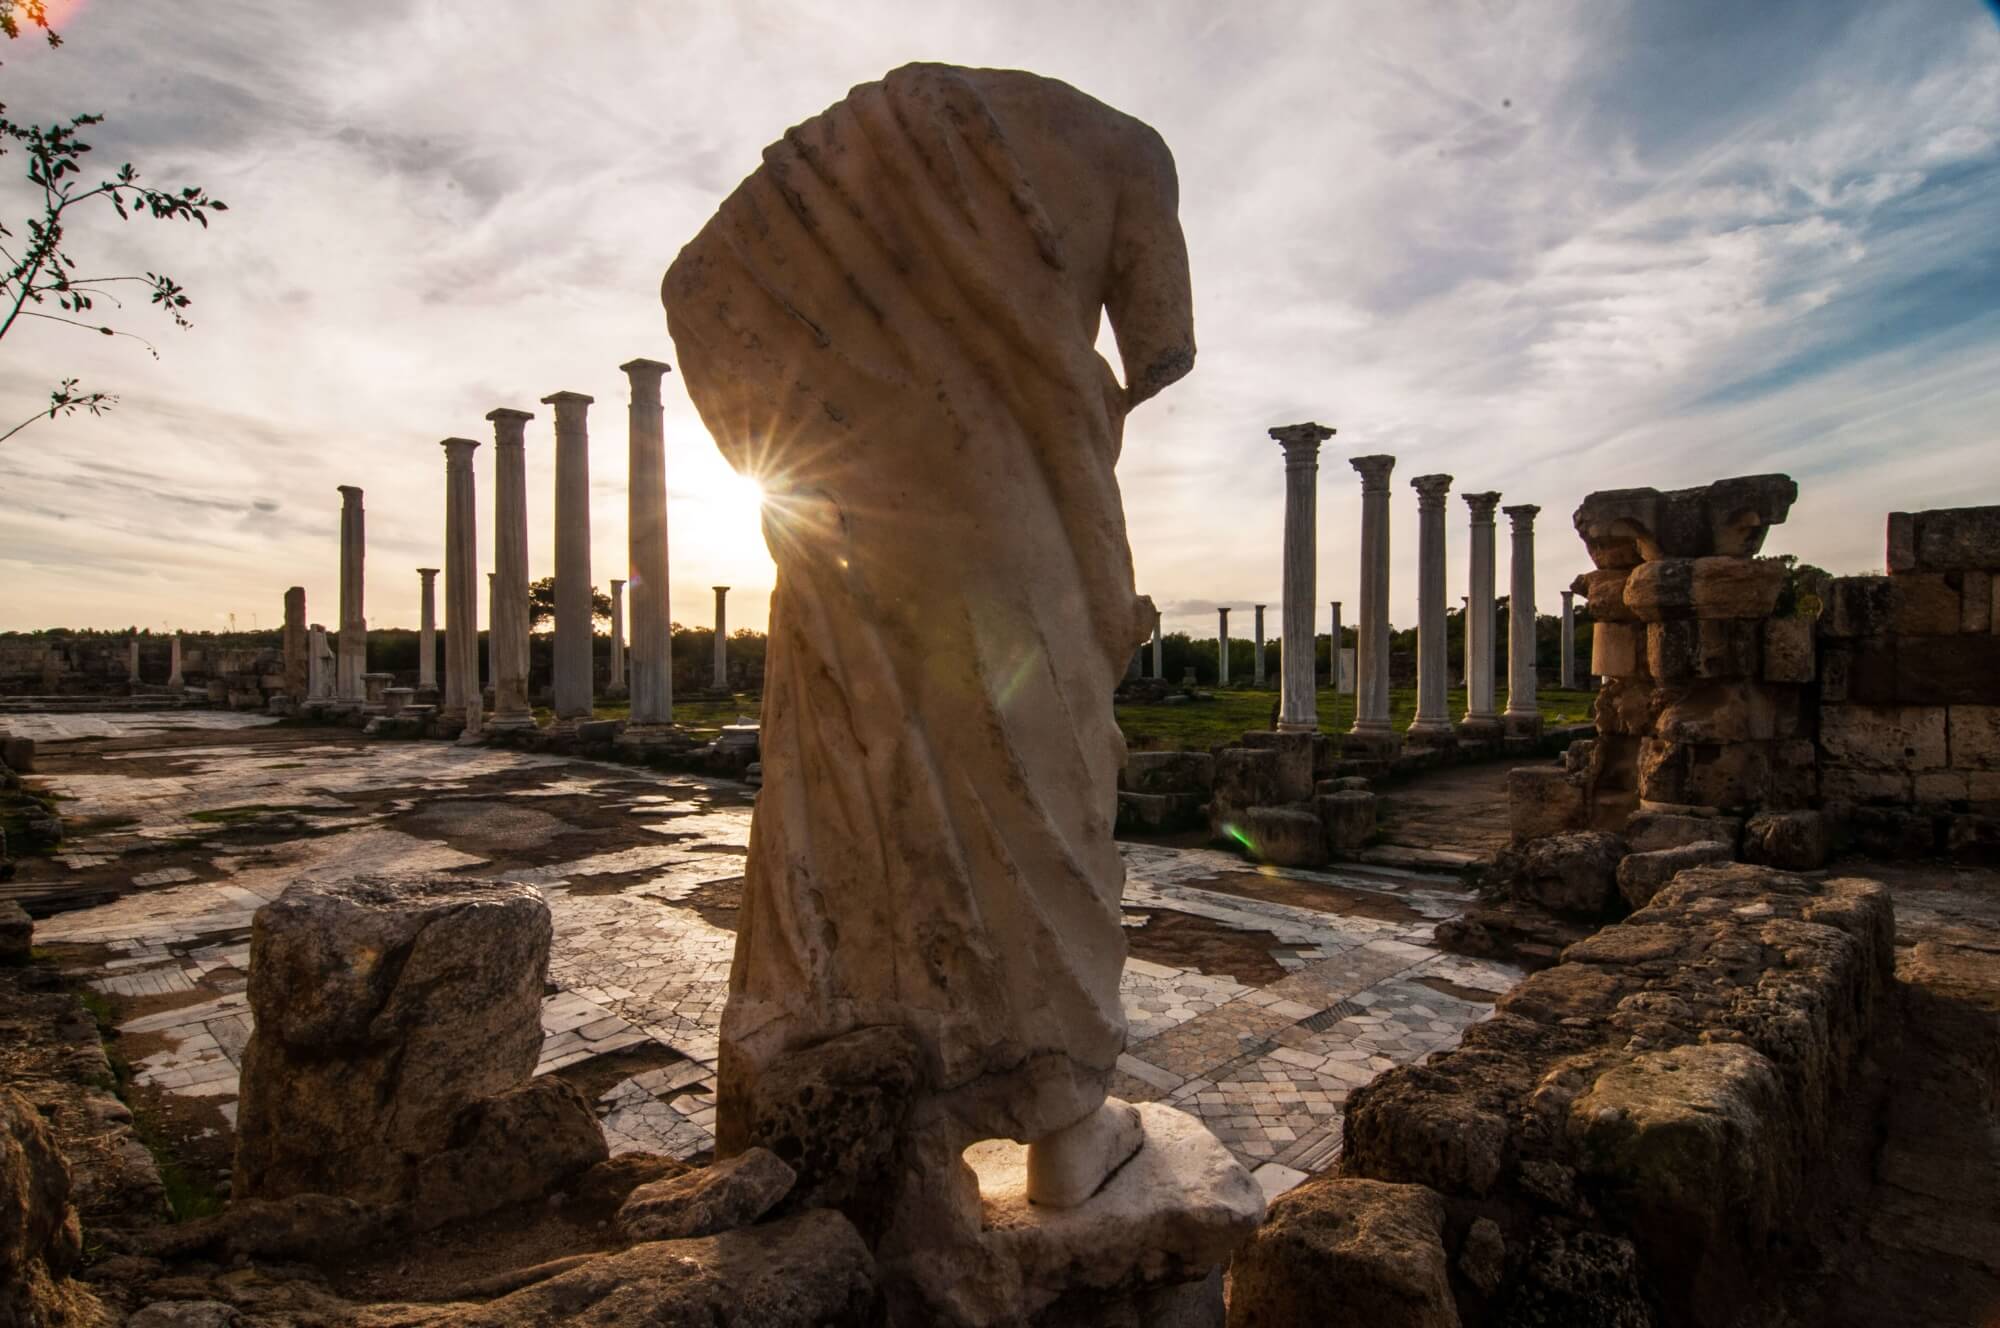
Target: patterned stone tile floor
{"points": [[1268, 1067]]}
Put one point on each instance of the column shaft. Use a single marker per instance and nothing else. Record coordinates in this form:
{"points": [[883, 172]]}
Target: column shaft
{"points": [[174, 679], [427, 613], [1480, 715], [616, 683], [1298, 691], [574, 667], [507, 621], [1568, 676], [721, 683], [1371, 657], [1221, 648], [1257, 655], [1433, 718], [1159, 654], [652, 657], [462, 700], [1522, 711], [353, 658]]}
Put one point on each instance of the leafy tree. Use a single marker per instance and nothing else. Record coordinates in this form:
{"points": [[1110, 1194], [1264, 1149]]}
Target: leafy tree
{"points": [[42, 278], [542, 603]]}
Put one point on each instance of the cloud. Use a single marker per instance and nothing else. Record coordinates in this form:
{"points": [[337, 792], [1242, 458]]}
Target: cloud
{"points": [[1545, 249]]}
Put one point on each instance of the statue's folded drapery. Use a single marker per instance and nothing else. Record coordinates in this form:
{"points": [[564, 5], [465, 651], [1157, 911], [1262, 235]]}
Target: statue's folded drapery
{"points": [[891, 324]]}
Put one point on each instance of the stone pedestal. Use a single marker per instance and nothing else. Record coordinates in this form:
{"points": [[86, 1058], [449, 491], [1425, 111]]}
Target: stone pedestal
{"points": [[1481, 720], [1298, 701], [721, 679], [1432, 723], [507, 625], [353, 641], [1371, 689], [652, 662], [574, 667], [427, 675], [615, 671], [462, 702], [374, 688], [1221, 648], [1523, 717]]}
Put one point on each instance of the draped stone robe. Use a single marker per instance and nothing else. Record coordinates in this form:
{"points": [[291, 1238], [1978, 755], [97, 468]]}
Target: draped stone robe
{"points": [[891, 324]]}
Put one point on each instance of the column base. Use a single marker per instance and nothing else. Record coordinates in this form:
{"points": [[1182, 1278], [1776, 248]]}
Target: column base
{"points": [[1372, 744], [514, 722], [1309, 725], [1479, 728], [1516, 725], [1431, 733]]}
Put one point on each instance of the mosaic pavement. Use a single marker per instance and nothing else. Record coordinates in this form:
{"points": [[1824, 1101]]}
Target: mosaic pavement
{"points": [[637, 966]]}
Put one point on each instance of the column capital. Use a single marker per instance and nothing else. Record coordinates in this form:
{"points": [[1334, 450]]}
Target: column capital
{"points": [[1222, 609], [720, 590], [1569, 597], [507, 414], [427, 572], [645, 368], [350, 494], [1431, 491], [1522, 515], [1374, 472], [1482, 505], [616, 583], [1301, 438], [570, 406], [458, 451]]}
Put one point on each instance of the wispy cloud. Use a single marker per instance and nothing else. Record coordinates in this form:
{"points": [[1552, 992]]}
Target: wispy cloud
{"points": [[1544, 248]]}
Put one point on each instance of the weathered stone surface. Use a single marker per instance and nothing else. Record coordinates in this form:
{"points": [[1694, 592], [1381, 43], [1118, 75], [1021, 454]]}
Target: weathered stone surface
{"points": [[1338, 1250], [1245, 777], [1972, 735], [727, 1194], [385, 1006], [810, 1271], [1954, 539], [1169, 772], [1789, 841], [1574, 873], [1789, 655], [1722, 776], [1685, 650], [1890, 738], [1604, 588], [1625, 706], [1618, 649], [40, 1240], [186, 1314], [17, 933], [515, 1146], [1976, 599], [1349, 818], [1544, 800], [1859, 606], [834, 1114], [1624, 527], [1640, 875], [1647, 832], [1159, 813], [1287, 836], [1703, 588], [1724, 712], [1297, 756], [1924, 604]]}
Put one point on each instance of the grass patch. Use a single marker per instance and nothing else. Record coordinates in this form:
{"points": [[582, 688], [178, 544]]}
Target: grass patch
{"points": [[697, 715], [1201, 725]]}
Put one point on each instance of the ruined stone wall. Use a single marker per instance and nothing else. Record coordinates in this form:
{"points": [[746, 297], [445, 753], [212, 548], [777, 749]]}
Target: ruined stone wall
{"points": [[1909, 689], [97, 663]]}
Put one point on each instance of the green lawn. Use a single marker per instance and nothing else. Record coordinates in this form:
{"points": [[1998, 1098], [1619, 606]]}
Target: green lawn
{"points": [[1200, 725], [698, 714]]}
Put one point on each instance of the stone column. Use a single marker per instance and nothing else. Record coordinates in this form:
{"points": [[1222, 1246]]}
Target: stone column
{"points": [[1569, 640], [652, 665], [1298, 698], [1159, 652], [1432, 722], [616, 686], [174, 678], [490, 593], [1481, 719], [507, 621], [1221, 647], [1333, 649], [721, 683], [132, 660], [1371, 656], [353, 659], [298, 669], [1257, 655], [427, 675], [462, 701], [319, 682], [573, 663], [1522, 716]]}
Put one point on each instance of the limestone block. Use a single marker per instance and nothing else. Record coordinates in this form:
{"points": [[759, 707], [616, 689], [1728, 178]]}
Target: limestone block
{"points": [[1788, 650], [187, 1314], [1648, 832], [1926, 604], [1972, 734], [1686, 651], [1575, 874], [516, 1146], [1348, 816], [1617, 649], [732, 1192], [1902, 543], [1143, 812], [40, 1239], [1957, 539], [1719, 712], [385, 1006], [1244, 777], [17, 931], [1296, 755], [1169, 772], [1724, 776], [1939, 786], [1973, 835], [1287, 836], [1939, 670], [1604, 588], [1846, 784], [1714, 587], [1976, 597], [1893, 831], [1859, 606], [1624, 705], [1544, 800], [1340, 1250], [1884, 737], [17, 754], [1640, 875], [1789, 841], [1622, 527], [1982, 787], [1794, 775], [810, 1271]]}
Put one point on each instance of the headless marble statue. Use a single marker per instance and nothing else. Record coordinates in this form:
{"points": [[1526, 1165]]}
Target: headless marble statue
{"points": [[891, 324]]}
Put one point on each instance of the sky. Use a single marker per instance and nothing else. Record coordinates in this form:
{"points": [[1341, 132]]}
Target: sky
{"points": [[1545, 248]]}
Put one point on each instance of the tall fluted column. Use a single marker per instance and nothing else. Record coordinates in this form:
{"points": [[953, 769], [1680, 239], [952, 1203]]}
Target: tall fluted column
{"points": [[1333, 650], [1221, 648], [1432, 721], [652, 664], [353, 658], [427, 675], [1568, 676], [573, 663], [1481, 719], [1371, 656], [1522, 714], [174, 679], [1159, 652], [507, 621], [616, 684], [721, 683], [1298, 696], [462, 701], [1257, 655]]}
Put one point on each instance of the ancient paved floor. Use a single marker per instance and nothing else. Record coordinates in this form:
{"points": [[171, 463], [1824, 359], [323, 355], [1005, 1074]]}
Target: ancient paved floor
{"points": [[1257, 998]]}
